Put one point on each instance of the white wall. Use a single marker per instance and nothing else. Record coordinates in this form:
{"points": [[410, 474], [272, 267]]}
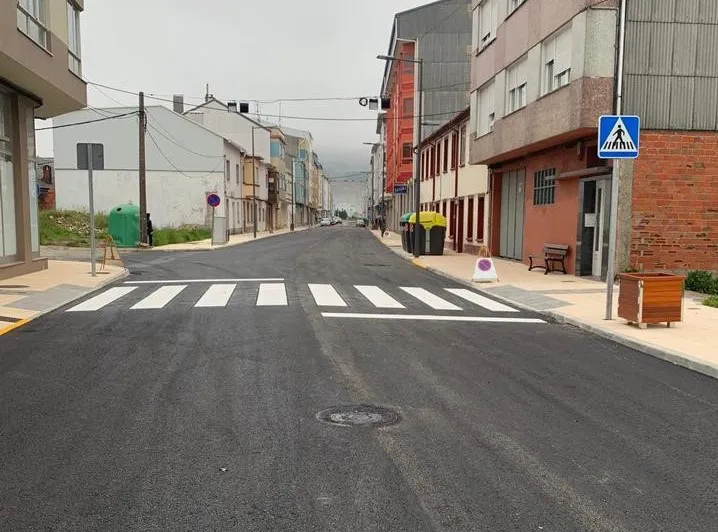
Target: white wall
{"points": [[233, 207], [234, 127], [173, 199]]}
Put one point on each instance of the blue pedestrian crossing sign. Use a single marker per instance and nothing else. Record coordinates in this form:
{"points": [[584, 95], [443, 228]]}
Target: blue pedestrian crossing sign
{"points": [[619, 136]]}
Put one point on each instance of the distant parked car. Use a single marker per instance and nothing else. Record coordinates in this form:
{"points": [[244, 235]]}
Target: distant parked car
{"points": [[336, 220], [325, 221], [360, 222]]}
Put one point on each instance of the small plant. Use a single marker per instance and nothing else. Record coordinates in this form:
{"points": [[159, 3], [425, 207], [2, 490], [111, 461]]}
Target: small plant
{"points": [[702, 281], [711, 301], [631, 269]]}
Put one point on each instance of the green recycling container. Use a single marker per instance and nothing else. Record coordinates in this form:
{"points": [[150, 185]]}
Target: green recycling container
{"points": [[123, 224], [405, 232]]}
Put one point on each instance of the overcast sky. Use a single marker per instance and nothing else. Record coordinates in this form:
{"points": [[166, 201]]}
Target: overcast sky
{"points": [[247, 50]]}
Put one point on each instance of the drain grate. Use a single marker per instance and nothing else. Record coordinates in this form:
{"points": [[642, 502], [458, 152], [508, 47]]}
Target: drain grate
{"points": [[359, 416]]}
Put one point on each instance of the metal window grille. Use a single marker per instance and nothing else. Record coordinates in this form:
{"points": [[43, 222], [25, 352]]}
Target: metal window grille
{"points": [[544, 187]]}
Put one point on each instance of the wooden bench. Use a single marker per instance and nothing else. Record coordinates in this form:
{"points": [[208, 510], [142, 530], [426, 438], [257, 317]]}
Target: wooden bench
{"points": [[552, 254]]}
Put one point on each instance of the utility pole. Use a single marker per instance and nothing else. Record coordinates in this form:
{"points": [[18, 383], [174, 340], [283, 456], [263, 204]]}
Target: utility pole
{"points": [[294, 189], [254, 186], [143, 171], [417, 163]]}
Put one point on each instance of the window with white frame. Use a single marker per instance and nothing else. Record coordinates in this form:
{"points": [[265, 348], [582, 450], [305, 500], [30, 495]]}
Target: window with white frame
{"points": [[475, 29], [516, 81], [487, 22], [487, 100], [514, 5], [73, 38], [32, 21], [556, 61]]}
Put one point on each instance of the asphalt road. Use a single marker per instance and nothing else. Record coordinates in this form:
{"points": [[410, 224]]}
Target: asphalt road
{"points": [[173, 416]]}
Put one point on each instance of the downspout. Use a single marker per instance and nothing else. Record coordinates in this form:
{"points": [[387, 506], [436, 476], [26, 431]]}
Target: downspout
{"points": [[455, 152]]}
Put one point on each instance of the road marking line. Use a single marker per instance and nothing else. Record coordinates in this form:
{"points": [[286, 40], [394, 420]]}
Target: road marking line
{"points": [[272, 295], [430, 299], [14, 326], [378, 297], [188, 281], [159, 298], [325, 295], [425, 317], [103, 299], [478, 299], [216, 295]]}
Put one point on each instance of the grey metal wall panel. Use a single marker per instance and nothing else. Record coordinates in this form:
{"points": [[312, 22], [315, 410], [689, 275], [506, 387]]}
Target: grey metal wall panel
{"points": [[634, 96], [707, 60], [708, 12], [662, 47], [688, 10], [685, 49], [682, 102], [658, 111], [663, 10], [639, 10], [705, 113], [638, 47]]}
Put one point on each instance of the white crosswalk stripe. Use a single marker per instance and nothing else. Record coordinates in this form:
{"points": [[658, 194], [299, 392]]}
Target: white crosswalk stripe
{"points": [[326, 296], [429, 299], [160, 297], [217, 295], [478, 299], [272, 295], [378, 297], [103, 299]]}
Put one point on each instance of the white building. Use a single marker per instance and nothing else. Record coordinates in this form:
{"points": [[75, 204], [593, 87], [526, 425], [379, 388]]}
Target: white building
{"points": [[184, 163], [326, 196], [255, 139]]}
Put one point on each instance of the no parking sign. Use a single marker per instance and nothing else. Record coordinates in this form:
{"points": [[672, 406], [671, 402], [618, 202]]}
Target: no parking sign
{"points": [[484, 269]]}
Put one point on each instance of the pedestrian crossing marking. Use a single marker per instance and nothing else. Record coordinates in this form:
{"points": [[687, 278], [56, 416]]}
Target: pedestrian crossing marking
{"points": [[482, 301], [378, 297], [272, 295], [429, 317], [326, 296], [216, 296], [103, 299], [430, 299], [160, 297], [618, 139]]}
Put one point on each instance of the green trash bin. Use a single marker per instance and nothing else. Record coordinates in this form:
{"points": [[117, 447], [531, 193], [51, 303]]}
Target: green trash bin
{"points": [[123, 224], [405, 231], [432, 233]]}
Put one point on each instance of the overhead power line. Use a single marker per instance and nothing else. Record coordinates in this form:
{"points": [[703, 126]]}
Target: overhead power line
{"points": [[114, 117]]}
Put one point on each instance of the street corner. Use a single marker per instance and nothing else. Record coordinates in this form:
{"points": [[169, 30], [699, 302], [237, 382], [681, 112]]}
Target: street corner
{"points": [[9, 326]]}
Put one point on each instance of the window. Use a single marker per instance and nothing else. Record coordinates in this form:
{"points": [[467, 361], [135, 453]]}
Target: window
{"points": [[516, 81], [446, 154], [8, 229], [487, 22], [454, 150], [480, 220], [462, 147], [514, 5], [556, 61], [485, 123], [470, 220], [437, 168], [227, 172], [431, 161], [32, 21], [237, 174], [73, 39], [544, 187], [406, 152], [408, 107]]}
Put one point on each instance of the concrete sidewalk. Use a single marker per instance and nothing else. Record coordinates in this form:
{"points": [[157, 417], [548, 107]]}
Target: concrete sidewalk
{"points": [[26, 297], [582, 302], [234, 240]]}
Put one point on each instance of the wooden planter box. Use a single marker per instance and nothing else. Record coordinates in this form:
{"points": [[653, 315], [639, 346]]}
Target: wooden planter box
{"points": [[650, 298]]}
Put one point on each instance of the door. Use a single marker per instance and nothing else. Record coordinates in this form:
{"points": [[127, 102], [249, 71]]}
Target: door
{"points": [[511, 239], [600, 227], [459, 231]]}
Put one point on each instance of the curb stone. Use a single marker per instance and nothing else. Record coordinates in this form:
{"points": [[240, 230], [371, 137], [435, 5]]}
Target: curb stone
{"points": [[124, 273], [217, 248], [667, 355]]}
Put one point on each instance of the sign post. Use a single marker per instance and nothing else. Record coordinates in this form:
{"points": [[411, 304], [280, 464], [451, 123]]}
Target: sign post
{"points": [[213, 200], [619, 137], [91, 157]]}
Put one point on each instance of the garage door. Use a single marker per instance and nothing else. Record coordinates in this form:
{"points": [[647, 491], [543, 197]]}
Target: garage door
{"points": [[512, 214]]}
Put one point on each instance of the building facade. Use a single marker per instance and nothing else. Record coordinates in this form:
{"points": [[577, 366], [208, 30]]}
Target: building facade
{"points": [[299, 148], [443, 47], [280, 187], [543, 72], [40, 77], [455, 188], [178, 181]]}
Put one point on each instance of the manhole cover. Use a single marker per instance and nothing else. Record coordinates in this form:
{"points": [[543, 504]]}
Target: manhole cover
{"points": [[359, 416], [14, 286]]}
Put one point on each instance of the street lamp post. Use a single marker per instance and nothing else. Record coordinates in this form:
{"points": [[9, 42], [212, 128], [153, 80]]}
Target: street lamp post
{"points": [[417, 149]]}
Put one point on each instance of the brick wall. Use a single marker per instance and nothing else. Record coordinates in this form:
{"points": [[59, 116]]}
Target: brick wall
{"points": [[674, 224]]}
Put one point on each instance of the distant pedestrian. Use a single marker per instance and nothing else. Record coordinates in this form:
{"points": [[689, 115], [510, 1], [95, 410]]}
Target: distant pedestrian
{"points": [[382, 226], [149, 230]]}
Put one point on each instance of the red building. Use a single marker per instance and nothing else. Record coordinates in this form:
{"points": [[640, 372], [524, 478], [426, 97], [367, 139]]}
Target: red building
{"points": [[400, 118]]}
